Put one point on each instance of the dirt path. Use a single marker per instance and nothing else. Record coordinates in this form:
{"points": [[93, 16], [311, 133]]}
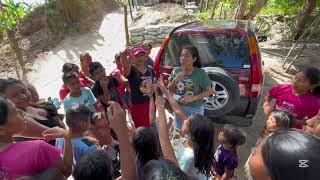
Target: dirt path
{"points": [[102, 45]]}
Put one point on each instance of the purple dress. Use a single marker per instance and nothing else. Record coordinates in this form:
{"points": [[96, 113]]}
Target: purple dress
{"points": [[224, 158]]}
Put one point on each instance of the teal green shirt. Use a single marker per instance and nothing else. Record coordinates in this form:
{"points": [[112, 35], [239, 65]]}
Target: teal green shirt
{"points": [[192, 85]]}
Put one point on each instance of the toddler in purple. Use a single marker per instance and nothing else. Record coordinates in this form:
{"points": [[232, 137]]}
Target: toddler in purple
{"points": [[226, 159]]}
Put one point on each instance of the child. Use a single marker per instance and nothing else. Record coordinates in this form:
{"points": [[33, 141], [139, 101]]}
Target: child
{"points": [[105, 87], [78, 120], [123, 84], [278, 120], [69, 68], [85, 61], [226, 159], [301, 97], [148, 48], [140, 78], [78, 94]]}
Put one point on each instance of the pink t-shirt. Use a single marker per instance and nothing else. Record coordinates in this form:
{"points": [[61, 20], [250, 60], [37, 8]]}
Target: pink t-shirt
{"points": [[27, 158], [304, 106]]}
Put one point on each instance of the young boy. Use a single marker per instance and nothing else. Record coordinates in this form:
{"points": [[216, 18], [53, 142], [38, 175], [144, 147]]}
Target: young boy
{"points": [[78, 120], [140, 79], [148, 48], [105, 87], [78, 94]]}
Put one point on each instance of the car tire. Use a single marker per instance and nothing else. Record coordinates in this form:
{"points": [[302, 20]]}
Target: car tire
{"points": [[227, 93]]}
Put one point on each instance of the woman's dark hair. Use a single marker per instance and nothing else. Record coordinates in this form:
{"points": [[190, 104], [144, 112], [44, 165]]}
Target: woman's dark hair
{"points": [[195, 54], [4, 110], [145, 145], [313, 75], [67, 67], [202, 136], [162, 169], [234, 135], [284, 120], [94, 165], [4, 85], [94, 66], [291, 154]]}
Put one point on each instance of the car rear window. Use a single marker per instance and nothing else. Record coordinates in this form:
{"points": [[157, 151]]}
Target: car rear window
{"points": [[217, 50]]}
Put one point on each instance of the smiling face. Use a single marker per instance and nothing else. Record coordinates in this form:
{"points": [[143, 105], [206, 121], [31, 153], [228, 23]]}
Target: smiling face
{"points": [[271, 124], [73, 84], [19, 95], [186, 59], [99, 74], [139, 59]]}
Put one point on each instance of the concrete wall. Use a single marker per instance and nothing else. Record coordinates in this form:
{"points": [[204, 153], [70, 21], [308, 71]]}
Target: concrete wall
{"points": [[154, 35]]}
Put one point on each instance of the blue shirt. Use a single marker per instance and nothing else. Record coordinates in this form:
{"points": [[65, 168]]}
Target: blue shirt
{"points": [[86, 99], [80, 147]]}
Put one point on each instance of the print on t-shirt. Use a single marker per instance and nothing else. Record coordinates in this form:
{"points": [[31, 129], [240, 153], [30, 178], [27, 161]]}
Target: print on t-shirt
{"points": [[286, 106], [185, 87]]}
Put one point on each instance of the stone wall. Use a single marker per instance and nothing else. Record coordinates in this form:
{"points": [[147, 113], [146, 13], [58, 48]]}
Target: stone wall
{"points": [[154, 35]]}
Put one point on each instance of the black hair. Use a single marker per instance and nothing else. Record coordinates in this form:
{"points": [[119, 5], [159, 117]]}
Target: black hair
{"points": [[202, 136], [141, 139], [313, 75], [195, 54], [148, 44], [4, 110], [117, 56], [94, 165], [162, 169], [69, 76], [67, 67], [94, 66], [76, 114], [234, 135], [291, 154], [83, 55], [5, 84]]}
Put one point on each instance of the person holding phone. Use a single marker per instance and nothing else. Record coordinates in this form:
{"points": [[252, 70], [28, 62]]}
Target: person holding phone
{"points": [[140, 77], [190, 84]]}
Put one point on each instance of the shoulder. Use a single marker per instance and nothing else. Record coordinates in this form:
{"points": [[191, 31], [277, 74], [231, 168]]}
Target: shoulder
{"points": [[38, 146], [200, 71]]}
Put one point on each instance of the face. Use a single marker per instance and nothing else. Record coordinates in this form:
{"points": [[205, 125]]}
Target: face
{"points": [[19, 95], [99, 74], [86, 61], [271, 124], [186, 58], [140, 59], [256, 165], [34, 95], [15, 122], [148, 49], [73, 85], [221, 138], [301, 84]]}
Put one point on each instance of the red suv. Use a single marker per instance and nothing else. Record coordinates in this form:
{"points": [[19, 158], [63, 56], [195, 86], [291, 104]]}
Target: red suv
{"points": [[230, 54]]}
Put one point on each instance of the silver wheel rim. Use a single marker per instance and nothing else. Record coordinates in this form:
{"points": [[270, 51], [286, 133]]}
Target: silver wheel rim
{"points": [[217, 100]]}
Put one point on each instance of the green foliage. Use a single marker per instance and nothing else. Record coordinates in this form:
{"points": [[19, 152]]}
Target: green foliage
{"points": [[12, 13]]}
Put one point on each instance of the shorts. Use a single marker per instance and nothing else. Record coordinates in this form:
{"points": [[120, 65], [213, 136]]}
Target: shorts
{"points": [[140, 114], [187, 111]]}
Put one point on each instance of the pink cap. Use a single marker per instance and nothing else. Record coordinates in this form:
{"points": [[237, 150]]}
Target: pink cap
{"points": [[136, 51]]}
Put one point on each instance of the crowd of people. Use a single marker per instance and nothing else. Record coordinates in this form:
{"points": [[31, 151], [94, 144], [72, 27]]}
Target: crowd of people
{"points": [[95, 139]]}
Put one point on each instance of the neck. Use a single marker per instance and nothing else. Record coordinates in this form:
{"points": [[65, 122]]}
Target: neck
{"points": [[76, 133], [188, 70], [227, 146], [75, 94]]}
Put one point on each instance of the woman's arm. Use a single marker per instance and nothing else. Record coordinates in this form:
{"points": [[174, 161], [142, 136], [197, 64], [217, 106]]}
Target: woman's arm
{"points": [[33, 129], [152, 109], [188, 99], [267, 105], [125, 64], [65, 164], [161, 122], [179, 77], [117, 118]]}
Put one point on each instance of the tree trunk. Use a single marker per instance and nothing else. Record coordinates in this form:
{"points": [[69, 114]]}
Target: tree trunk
{"points": [[221, 9], [207, 5], [304, 15], [18, 62], [214, 6], [240, 9], [254, 10], [130, 9], [126, 30], [201, 6]]}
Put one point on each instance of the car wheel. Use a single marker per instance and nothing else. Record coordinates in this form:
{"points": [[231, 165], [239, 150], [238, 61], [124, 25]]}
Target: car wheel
{"points": [[226, 93]]}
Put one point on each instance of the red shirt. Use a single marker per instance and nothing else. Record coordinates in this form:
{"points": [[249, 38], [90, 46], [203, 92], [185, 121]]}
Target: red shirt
{"points": [[64, 91]]}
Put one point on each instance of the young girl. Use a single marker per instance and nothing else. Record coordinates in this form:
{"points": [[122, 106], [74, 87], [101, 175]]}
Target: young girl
{"points": [[85, 61], [226, 159], [278, 120], [301, 97]]}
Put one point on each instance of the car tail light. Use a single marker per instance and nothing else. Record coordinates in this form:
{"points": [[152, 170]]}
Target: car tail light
{"points": [[256, 68]]}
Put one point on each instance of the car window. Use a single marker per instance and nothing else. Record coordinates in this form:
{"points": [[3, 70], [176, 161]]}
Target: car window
{"points": [[218, 50]]}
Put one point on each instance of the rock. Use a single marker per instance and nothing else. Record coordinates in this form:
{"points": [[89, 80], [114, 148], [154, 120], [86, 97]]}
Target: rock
{"points": [[166, 27], [137, 38], [154, 33], [135, 34], [161, 36], [152, 29], [137, 30], [150, 37]]}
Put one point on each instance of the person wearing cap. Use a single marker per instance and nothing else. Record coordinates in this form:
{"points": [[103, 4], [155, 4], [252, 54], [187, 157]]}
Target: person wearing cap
{"points": [[140, 79]]}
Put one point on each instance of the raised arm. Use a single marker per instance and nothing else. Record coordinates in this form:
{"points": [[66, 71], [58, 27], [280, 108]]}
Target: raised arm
{"points": [[117, 118], [161, 122], [172, 84], [125, 63], [33, 129]]}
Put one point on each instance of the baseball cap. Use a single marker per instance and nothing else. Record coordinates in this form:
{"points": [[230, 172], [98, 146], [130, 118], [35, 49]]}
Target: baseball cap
{"points": [[136, 51]]}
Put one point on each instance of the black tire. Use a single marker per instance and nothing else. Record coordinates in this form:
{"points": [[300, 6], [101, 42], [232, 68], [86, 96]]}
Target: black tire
{"points": [[231, 86]]}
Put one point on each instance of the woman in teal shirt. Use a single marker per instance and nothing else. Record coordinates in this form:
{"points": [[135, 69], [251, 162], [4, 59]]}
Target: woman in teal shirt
{"points": [[189, 83]]}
